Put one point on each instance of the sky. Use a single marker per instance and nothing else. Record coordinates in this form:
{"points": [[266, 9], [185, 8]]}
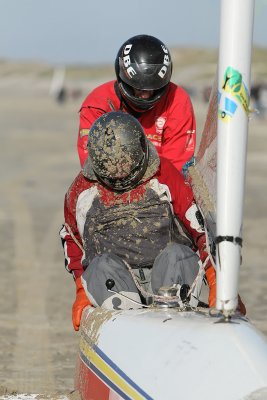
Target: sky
{"points": [[91, 32]]}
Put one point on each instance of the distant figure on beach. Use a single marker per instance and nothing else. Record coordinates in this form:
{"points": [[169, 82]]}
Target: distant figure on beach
{"points": [[57, 88]]}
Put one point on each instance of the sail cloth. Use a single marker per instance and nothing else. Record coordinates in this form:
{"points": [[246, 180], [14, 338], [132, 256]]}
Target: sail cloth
{"points": [[202, 175]]}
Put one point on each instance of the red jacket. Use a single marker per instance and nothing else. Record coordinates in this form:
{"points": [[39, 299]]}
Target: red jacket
{"points": [[169, 185], [170, 124]]}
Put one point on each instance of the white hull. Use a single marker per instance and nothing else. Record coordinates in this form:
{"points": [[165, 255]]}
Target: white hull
{"points": [[166, 355]]}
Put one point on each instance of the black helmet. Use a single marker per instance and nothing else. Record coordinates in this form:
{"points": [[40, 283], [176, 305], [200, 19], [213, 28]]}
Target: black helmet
{"points": [[144, 63], [119, 154]]}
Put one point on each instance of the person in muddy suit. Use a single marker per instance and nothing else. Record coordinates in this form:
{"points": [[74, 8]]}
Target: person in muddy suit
{"points": [[126, 215], [143, 89]]}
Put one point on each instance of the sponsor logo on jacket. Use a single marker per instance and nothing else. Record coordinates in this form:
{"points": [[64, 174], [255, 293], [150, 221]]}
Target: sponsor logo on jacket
{"points": [[160, 122], [190, 145], [156, 138], [84, 132]]}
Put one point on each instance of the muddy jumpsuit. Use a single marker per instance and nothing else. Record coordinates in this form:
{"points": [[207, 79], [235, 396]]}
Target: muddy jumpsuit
{"points": [[105, 232]]}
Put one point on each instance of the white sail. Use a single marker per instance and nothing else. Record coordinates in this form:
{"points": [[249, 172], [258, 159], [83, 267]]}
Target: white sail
{"points": [[202, 175], [58, 81]]}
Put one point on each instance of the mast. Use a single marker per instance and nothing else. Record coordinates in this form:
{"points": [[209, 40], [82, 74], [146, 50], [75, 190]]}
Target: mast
{"points": [[236, 31]]}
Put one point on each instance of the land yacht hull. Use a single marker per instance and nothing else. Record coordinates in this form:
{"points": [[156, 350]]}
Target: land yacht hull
{"points": [[167, 354]]}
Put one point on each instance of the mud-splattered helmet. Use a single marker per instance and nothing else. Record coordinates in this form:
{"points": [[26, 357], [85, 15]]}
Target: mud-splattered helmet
{"points": [[143, 62], [119, 154]]}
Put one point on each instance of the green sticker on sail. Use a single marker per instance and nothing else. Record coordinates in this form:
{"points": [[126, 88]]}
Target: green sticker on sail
{"points": [[234, 85]]}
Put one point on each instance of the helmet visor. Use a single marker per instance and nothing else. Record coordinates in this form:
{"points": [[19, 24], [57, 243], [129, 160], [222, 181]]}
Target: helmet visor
{"points": [[147, 77]]}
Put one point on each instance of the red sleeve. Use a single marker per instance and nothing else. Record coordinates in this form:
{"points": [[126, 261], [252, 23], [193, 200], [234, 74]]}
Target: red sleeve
{"points": [[88, 115], [179, 140], [70, 236], [73, 254], [97, 103]]}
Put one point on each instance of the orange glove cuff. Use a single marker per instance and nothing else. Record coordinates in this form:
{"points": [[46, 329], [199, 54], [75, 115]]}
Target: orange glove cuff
{"points": [[241, 306], [211, 279], [80, 303]]}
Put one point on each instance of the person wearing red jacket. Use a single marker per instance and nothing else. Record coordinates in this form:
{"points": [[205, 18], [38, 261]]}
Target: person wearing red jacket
{"points": [[130, 217], [143, 89]]}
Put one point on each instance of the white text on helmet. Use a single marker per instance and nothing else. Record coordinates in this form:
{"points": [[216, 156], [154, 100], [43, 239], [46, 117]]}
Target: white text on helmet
{"points": [[127, 61], [166, 62]]}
